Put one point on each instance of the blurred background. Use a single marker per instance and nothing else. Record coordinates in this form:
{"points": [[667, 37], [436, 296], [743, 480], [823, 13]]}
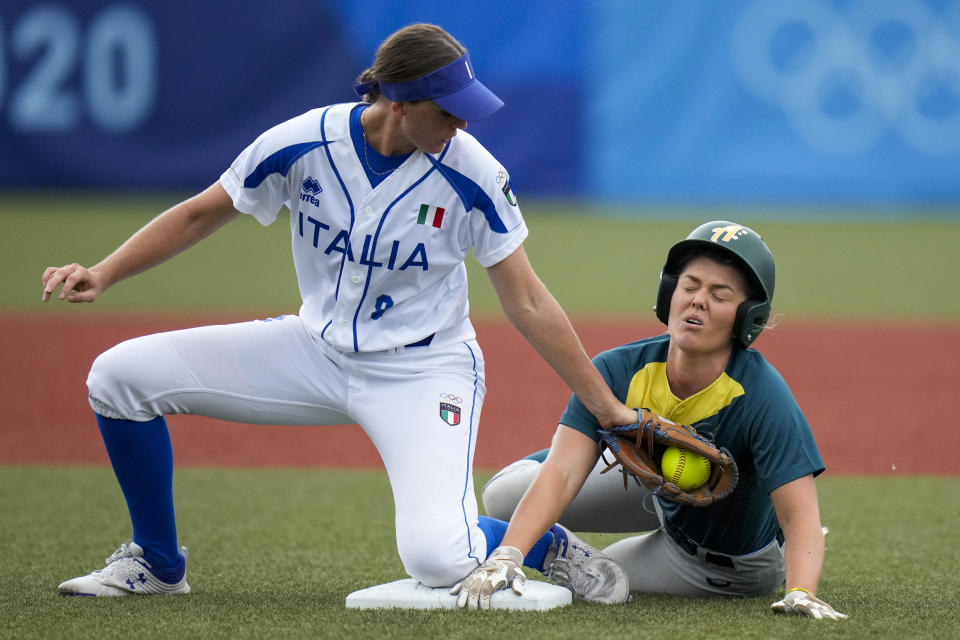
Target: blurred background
{"points": [[792, 107], [830, 126]]}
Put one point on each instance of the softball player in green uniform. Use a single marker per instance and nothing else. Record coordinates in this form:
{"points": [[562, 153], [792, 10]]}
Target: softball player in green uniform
{"points": [[715, 295]]}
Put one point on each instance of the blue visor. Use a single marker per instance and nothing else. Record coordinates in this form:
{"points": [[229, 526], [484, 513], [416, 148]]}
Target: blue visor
{"points": [[454, 87]]}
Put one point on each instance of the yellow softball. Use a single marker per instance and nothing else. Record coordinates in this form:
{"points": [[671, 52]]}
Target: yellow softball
{"points": [[686, 469]]}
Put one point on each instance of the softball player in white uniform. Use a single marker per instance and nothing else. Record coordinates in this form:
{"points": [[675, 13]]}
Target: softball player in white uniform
{"points": [[386, 198]]}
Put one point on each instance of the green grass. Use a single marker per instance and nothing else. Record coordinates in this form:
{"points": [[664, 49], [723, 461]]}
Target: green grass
{"points": [[275, 552], [597, 262], [244, 267]]}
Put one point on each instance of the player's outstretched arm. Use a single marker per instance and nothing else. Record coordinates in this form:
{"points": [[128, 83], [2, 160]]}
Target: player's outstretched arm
{"points": [[535, 313], [571, 458], [170, 233], [799, 516]]}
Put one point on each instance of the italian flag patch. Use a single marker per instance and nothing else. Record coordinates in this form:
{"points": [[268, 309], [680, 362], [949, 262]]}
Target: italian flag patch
{"points": [[450, 413], [430, 215]]}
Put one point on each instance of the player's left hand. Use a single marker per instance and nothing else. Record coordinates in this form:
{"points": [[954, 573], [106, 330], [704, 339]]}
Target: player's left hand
{"points": [[502, 568], [806, 604]]}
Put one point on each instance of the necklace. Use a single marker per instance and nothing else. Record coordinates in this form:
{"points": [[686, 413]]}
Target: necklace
{"points": [[366, 144]]}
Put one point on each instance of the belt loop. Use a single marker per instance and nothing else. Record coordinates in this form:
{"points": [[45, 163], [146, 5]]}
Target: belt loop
{"points": [[719, 560], [690, 547]]}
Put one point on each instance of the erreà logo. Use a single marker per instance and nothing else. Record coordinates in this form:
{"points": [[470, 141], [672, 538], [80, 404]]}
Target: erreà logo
{"points": [[309, 190], [728, 233], [310, 185]]}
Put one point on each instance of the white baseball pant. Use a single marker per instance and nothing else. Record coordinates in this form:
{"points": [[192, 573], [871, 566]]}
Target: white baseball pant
{"points": [[654, 562], [276, 372]]}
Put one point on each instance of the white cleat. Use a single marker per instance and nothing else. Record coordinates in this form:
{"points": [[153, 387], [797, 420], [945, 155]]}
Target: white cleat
{"points": [[126, 573], [586, 571]]}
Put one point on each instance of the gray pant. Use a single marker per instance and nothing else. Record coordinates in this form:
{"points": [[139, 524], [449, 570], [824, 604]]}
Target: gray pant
{"points": [[653, 561]]}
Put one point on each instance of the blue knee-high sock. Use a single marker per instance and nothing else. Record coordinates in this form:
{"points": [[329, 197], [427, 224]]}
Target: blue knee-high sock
{"points": [[142, 458], [538, 553], [494, 530]]}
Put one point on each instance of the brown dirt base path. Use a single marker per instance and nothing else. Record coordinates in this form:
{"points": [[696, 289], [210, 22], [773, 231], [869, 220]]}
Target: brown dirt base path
{"points": [[880, 399]]}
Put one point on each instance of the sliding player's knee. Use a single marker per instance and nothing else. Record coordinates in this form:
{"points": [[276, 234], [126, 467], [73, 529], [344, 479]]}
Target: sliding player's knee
{"points": [[502, 493]]}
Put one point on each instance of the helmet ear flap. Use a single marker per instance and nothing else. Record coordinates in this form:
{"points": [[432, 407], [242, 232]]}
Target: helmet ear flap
{"points": [[752, 316], [668, 283]]}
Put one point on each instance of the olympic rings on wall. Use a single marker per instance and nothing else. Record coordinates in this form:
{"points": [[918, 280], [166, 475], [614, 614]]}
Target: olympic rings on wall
{"points": [[847, 76]]}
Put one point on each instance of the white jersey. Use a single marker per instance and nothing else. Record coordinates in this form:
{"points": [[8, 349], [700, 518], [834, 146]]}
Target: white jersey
{"points": [[382, 267]]}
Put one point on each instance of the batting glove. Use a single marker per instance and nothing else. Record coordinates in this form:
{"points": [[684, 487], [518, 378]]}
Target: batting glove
{"points": [[804, 603], [501, 569]]}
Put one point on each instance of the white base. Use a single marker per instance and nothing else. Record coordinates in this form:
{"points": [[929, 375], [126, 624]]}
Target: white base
{"points": [[410, 594]]}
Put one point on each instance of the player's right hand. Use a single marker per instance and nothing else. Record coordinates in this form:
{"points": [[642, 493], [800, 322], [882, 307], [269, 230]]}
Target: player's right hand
{"points": [[502, 568], [806, 604], [79, 283]]}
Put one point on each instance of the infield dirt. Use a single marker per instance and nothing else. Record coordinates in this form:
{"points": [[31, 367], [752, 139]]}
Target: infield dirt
{"points": [[880, 398]]}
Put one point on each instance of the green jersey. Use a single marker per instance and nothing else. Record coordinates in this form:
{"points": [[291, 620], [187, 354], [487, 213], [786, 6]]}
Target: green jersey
{"points": [[748, 410]]}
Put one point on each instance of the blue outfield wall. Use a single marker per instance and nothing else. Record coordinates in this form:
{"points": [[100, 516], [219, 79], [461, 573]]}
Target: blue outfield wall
{"points": [[790, 102], [800, 101]]}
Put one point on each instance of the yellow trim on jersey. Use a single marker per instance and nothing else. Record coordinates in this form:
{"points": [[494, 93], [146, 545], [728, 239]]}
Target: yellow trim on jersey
{"points": [[649, 389]]}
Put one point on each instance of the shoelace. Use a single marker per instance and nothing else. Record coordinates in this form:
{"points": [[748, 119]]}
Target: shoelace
{"points": [[122, 552]]}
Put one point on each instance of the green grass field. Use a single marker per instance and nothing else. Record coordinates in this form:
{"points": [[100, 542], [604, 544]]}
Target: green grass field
{"points": [[596, 265], [274, 553]]}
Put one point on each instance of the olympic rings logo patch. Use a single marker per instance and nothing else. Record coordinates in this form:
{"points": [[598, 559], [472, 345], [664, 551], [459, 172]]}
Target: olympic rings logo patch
{"points": [[449, 397], [847, 76]]}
